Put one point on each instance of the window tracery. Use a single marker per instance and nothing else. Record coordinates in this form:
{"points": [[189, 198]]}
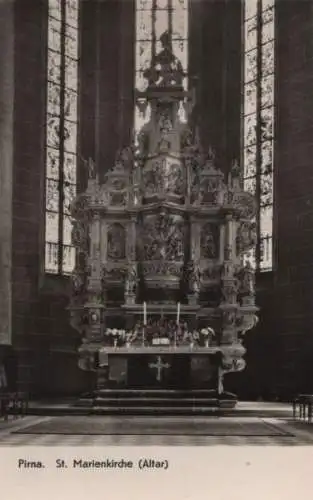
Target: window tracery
{"points": [[258, 121], [61, 133]]}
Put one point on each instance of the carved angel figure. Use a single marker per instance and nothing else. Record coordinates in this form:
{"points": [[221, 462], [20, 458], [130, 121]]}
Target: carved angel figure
{"points": [[131, 280]]}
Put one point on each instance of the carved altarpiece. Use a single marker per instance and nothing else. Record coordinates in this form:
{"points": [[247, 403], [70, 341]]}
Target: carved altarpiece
{"points": [[164, 228]]}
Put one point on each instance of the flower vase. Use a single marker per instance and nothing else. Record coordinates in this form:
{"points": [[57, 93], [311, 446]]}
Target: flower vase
{"points": [[191, 345], [207, 343], [127, 345], [115, 343]]}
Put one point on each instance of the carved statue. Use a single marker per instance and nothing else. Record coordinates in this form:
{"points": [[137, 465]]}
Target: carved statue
{"points": [[163, 238], [116, 242], [78, 282], [229, 318], [246, 236], [165, 127], [90, 167], [234, 177], [194, 277], [131, 280], [175, 179], [247, 280], [125, 157], [209, 239], [229, 292], [166, 70]]}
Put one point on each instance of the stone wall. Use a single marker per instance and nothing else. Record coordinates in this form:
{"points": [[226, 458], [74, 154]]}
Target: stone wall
{"points": [[215, 60], [44, 344], [6, 166], [294, 188]]}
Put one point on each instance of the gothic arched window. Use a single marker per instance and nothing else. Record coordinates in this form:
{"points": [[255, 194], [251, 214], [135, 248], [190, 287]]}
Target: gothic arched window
{"points": [[61, 133], [258, 121], [153, 18]]}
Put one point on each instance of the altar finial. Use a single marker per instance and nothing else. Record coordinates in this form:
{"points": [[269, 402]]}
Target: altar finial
{"points": [[166, 69], [235, 169], [211, 154], [234, 176], [90, 167]]}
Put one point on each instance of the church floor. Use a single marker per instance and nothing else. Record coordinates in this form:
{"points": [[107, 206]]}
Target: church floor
{"points": [[159, 431]]}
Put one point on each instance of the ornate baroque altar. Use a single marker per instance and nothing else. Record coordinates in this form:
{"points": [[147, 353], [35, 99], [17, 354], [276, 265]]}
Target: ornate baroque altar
{"points": [[160, 275]]}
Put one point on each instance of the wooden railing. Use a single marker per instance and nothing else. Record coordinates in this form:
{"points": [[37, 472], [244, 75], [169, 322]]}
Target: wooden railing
{"points": [[303, 408]]}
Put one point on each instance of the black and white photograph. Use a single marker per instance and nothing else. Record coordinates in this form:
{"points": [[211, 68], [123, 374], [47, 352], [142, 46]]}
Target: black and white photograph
{"points": [[156, 225]]}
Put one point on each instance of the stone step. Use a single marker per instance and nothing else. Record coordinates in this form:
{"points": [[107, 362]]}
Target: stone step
{"points": [[162, 393], [150, 410], [155, 402]]}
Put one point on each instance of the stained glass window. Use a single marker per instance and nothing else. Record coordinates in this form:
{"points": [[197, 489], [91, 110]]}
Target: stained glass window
{"points": [[258, 121], [153, 18], [61, 133]]}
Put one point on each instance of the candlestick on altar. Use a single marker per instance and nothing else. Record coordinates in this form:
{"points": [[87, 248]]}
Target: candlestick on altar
{"points": [[143, 336], [144, 314], [178, 313]]}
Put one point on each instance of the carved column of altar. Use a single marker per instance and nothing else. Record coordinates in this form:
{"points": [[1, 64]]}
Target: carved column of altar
{"points": [[132, 272], [195, 250], [131, 239], [103, 256], [229, 306], [229, 237], [194, 262], [94, 287], [222, 243]]}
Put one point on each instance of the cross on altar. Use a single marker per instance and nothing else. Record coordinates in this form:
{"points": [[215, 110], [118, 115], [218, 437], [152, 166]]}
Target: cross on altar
{"points": [[159, 366]]}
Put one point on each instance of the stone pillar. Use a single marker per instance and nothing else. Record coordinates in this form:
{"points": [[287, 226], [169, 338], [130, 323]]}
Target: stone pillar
{"points": [[222, 243], [95, 256], [215, 59], [107, 77], [95, 306], [229, 238], [194, 241], [131, 239], [6, 164]]}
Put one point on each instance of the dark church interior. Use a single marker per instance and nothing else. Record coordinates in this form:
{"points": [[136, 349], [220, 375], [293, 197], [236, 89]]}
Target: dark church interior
{"points": [[94, 111]]}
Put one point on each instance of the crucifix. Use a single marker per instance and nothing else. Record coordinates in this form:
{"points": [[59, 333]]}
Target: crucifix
{"points": [[159, 366]]}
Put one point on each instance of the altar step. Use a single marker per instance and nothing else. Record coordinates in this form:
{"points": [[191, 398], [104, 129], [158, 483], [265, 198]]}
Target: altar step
{"points": [[158, 402]]}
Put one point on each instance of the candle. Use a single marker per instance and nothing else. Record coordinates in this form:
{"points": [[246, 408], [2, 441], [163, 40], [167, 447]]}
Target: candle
{"points": [[144, 313], [178, 313]]}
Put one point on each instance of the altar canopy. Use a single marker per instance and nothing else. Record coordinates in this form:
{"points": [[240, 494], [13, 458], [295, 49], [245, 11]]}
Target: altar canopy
{"points": [[162, 243]]}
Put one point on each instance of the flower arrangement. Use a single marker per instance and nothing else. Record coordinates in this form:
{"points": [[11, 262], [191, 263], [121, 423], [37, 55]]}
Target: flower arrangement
{"points": [[119, 336], [208, 332]]}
